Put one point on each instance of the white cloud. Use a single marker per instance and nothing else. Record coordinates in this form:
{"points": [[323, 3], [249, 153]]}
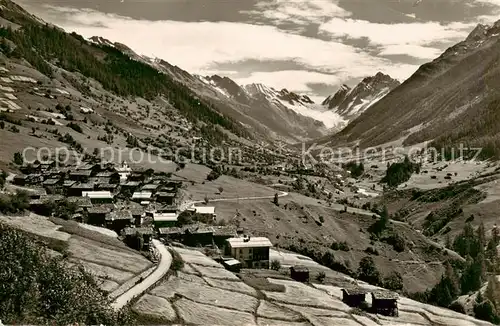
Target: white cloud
{"points": [[199, 46], [299, 12], [489, 2], [416, 51], [399, 38]]}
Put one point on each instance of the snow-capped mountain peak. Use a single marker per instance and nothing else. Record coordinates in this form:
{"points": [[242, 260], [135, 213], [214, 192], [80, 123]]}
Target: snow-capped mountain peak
{"points": [[351, 102]]}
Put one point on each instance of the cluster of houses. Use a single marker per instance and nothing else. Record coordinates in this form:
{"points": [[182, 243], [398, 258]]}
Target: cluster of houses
{"points": [[138, 205], [106, 195]]}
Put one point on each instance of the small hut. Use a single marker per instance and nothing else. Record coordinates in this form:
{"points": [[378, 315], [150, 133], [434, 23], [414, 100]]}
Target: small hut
{"points": [[353, 297], [385, 303], [299, 273]]}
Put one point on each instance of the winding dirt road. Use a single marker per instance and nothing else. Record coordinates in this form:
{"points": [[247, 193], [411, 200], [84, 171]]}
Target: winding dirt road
{"points": [[138, 289]]}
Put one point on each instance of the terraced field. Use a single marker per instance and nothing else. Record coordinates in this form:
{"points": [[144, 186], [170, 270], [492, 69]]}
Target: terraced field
{"points": [[204, 293]]}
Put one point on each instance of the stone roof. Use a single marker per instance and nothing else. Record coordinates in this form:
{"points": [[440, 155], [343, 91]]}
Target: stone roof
{"points": [[99, 210], [142, 231], [385, 295], [355, 291], [299, 268], [120, 215]]}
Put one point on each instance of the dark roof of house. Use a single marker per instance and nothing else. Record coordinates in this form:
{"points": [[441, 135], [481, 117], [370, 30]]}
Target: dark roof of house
{"points": [[105, 174], [50, 182], [21, 176], [385, 295], [99, 180], [150, 187], [355, 291], [120, 215], [142, 231], [99, 210], [172, 230], [80, 201], [53, 197], [228, 230], [107, 186], [85, 173], [83, 186], [198, 229], [86, 167], [299, 268], [166, 208], [166, 194], [137, 211], [68, 183]]}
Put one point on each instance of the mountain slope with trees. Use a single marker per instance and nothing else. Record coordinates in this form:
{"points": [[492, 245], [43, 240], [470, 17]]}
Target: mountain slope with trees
{"points": [[453, 99]]}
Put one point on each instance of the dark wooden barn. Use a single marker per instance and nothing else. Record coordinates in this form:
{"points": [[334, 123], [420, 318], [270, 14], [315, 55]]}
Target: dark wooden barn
{"points": [[353, 297], [299, 273], [385, 303]]}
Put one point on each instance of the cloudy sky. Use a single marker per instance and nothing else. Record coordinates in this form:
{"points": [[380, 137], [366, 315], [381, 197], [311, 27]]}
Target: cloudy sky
{"points": [[308, 46]]}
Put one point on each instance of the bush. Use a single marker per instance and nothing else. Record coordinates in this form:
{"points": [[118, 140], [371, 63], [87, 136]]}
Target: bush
{"points": [[18, 158], [394, 282], [340, 246], [213, 175], [3, 177], [75, 127], [14, 129], [12, 204], [47, 290], [177, 261], [368, 272], [275, 265], [320, 277]]}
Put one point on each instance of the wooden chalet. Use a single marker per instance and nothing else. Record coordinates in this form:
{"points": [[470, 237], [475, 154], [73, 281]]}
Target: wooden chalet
{"points": [[119, 220], [99, 197], [385, 303], [78, 188], [222, 233], [232, 265], [130, 186], [82, 202], [138, 238], [138, 215], [52, 186], [96, 215], [299, 273], [167, 198], [113, 176], [150, 187], [80, 175], [354, 297]]}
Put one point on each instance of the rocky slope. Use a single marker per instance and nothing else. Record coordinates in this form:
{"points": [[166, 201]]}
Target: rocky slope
{"points": [[349, 103], [451, 99]]}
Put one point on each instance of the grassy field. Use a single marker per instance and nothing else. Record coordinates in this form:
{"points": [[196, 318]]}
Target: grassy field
{"points": [[232, 188], [297, 220]]}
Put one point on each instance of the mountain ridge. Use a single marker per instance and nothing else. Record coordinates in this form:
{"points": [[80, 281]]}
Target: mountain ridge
{"points": [[449, 100], [351, 102]]}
